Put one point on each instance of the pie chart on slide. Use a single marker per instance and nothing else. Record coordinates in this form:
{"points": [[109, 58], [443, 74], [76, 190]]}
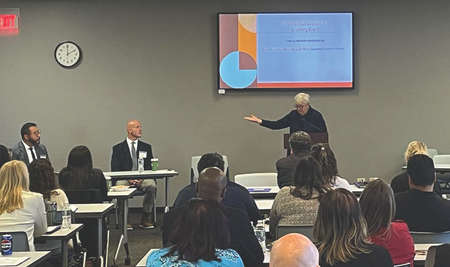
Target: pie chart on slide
{"points": [[238, 69]]}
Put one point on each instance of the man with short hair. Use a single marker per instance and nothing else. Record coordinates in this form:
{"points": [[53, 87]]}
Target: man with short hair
{"points": [[294, 250], [30, 147], [300, 143], [237, 196], [125, 157], [421, 208], [212, 185]]}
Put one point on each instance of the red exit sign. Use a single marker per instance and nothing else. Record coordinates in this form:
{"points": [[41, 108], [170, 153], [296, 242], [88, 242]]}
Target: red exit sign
{"points": [[8, 22]]}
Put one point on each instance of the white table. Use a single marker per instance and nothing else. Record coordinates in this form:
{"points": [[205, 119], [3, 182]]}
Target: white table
{"points": [[264, 204], [160, 174], [123, 197], [64, 236], [94, 211], [35, 257]]}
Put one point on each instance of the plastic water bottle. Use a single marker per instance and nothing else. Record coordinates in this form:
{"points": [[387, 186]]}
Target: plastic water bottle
{"points": [[260, 233], [141, 165], [66, 217]]}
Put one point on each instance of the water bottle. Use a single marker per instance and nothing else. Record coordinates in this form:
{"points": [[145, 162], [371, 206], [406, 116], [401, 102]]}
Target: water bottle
{"points": [[141, 165], [66, 217], [260, 233], [50, 208]]}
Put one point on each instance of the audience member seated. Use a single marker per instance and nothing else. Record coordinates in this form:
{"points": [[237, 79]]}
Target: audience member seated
{"points": [[400, 182], [42, 180], [30, 147], [20, 209], [378, 208], [294, 250], [237, 196], [212, 185], [341, 234], [421, 208], [199, 237], [325, 156], [4, 155], [298, 204], [79, 174], [300, 143]]}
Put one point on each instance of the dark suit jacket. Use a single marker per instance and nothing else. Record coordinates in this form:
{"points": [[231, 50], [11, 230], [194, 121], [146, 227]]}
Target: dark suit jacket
{"points": [[400, 184], [243, 238], [286, 167], [121, 156], [19, 152]]}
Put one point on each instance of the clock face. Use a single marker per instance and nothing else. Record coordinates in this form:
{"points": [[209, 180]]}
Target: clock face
{"points": [[67, 54]]}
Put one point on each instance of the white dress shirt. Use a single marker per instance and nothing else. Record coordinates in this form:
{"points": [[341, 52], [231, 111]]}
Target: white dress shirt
{"points": [[27, 148]]}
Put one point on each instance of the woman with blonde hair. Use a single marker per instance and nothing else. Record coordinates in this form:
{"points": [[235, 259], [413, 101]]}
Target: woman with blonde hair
{"points": [[341, 234], [20, 209], [378, 208], [400, 182]]}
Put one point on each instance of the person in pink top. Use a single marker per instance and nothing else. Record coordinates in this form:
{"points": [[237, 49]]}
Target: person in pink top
{"points": [[378, 208]]}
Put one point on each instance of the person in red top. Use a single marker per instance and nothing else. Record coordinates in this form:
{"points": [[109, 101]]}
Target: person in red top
{"points": [[378, 208]]}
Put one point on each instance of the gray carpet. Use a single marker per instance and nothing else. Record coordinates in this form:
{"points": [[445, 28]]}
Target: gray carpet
{"points": [[140, 241]]}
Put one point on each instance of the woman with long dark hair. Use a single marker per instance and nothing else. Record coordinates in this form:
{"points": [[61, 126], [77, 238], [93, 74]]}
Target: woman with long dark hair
{"points": [[325, 156], [378, 208], [200, 238], [341, 236], [80, 174], [42, 180], [298, 204], [4, 155]]}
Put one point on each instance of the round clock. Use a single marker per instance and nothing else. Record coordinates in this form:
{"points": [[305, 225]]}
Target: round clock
{"points": [[67, 54]]}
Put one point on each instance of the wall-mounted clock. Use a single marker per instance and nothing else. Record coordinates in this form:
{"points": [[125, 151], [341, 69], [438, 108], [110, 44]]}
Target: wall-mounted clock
{"points": [[67, 54]]}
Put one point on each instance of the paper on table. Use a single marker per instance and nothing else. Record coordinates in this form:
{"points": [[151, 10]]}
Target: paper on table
{"points": [[259, 189], [11, 260]]}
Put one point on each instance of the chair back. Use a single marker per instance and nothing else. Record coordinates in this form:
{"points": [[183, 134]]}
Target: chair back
{"points": [[441, 159], [430, 237], [256, 179], [20, 240], [438, 256], [84, 196], [432, 152], [194, 171], [305, 229]]}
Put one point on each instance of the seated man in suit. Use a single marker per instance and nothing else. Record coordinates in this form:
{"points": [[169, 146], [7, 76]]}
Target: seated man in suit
{"points": [[300, 143], [237, 196], [421, 208], [212, 185], [294, 250], [125, 158], [30, 147]]}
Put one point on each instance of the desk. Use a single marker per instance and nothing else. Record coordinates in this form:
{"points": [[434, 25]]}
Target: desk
{"points": [[35, 257], [442, 168], [160, 174], [123, 198], [263, 191], [63, 236], [94, 211], [264, 204]]}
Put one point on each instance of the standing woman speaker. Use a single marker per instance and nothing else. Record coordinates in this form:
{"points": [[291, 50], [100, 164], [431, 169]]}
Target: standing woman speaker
{"points": [[302, 118]]}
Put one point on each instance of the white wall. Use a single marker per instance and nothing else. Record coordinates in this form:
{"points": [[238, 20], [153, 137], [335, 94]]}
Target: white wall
{"points": [[156, 61]]}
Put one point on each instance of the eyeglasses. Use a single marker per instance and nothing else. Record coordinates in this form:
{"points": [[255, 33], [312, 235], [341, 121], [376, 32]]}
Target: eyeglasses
{"points": [[300, 106]]}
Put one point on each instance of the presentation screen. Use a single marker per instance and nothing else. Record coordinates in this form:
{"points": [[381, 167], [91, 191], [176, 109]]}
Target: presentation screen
{"points": [[286, 50]]}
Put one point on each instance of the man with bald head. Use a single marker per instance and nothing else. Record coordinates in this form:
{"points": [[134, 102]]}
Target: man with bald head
{"points": [[212, 184], [294, 250], [125, 157]]}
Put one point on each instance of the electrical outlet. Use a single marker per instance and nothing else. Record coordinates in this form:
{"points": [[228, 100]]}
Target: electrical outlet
{"points": [[359, 180]]}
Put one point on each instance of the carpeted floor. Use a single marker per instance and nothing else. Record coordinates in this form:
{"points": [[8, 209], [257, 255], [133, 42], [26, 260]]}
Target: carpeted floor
{"points": [[140, 241]]}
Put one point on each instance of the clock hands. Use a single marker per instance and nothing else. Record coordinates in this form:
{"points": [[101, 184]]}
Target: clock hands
{"points": [[71, 52]]}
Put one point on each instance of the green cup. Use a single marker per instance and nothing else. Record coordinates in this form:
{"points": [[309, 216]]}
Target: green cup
{"points": [[155, 163]]}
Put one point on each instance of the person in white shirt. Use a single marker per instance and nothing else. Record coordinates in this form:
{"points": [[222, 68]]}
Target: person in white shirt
{"points": [[325, 156], [20, 209]]}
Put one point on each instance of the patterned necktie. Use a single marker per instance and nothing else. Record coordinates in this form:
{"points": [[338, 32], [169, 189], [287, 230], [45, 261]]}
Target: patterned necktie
{"points": [[133, 157]]}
